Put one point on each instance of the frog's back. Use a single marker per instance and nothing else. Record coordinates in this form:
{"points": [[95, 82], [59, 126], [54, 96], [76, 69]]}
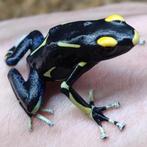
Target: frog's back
{"points": [[70, 30], [51, 54]]}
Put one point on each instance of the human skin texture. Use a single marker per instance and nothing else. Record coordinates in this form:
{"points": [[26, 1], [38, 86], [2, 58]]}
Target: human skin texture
{"points": [[122, 79]]}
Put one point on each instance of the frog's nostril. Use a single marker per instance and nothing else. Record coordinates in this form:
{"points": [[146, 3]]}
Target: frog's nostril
{"points": [[142, 42], [136, 38]]}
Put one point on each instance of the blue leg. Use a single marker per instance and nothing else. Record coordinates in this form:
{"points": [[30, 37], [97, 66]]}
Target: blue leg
{"points": [[31, 41], [30, 92]]}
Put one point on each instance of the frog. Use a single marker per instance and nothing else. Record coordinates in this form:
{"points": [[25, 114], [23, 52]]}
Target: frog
{"points": [[67, 52]]}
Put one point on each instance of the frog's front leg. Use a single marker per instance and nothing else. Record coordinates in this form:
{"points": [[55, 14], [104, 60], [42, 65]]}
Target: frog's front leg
{"points": [[32, 41], [29, 93], [96, 113]]}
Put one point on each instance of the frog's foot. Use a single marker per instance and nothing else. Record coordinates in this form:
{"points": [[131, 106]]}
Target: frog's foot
{"points": [[42, 118], [10, 52], [99, 117]]}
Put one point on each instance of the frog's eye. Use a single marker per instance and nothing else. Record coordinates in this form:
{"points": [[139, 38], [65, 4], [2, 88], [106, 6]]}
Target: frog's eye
{"points": [[114, 17], [107, 41]]}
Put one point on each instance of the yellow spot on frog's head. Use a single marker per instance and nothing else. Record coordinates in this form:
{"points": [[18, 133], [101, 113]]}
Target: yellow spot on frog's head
{"points": [[114, 17], [136, 38], [107, 41]]}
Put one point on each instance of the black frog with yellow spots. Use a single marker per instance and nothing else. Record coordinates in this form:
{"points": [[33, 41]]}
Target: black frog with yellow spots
{"points": [[67, 52]]}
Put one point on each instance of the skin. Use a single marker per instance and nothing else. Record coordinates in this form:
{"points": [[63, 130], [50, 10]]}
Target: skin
{"points": [[122, 79]]}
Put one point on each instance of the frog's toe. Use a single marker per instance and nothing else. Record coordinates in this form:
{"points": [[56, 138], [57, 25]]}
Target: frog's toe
{"points": [[109, 106], [11, 61], [45, 120], [48, 110], [10, 52], [40, 117], [30, 126], [102, 132]]}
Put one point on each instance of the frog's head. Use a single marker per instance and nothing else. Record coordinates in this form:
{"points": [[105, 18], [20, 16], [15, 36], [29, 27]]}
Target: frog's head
{"points": [[116, 37]]}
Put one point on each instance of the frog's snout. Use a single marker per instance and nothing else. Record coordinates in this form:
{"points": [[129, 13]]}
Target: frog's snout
{"points": [[136, 38]]}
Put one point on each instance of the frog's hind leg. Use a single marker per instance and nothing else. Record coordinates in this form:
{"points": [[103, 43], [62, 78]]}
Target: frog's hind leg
{"points": [[31, 41], [94, 112], [29, 93]]}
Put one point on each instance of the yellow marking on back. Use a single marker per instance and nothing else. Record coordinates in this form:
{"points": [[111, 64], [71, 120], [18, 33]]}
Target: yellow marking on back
{"points": [[48, 73], [107, 41], [43, 43], [64, 85], [136, 38], [64, 44], [114, 17], [82, 64], [87, 110]]}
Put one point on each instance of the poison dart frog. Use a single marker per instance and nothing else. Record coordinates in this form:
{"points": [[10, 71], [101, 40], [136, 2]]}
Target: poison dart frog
{"points": [[67, 52]]}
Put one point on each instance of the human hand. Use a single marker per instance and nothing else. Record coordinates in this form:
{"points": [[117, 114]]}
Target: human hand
{"points": [[120, 79]]}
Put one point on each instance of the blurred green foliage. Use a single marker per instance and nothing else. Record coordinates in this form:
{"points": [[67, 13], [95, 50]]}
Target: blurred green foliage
{"points": [[18, 8]]}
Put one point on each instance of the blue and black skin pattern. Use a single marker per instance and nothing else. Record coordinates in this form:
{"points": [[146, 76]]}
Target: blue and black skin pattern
{"points": [[66, 53]]}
